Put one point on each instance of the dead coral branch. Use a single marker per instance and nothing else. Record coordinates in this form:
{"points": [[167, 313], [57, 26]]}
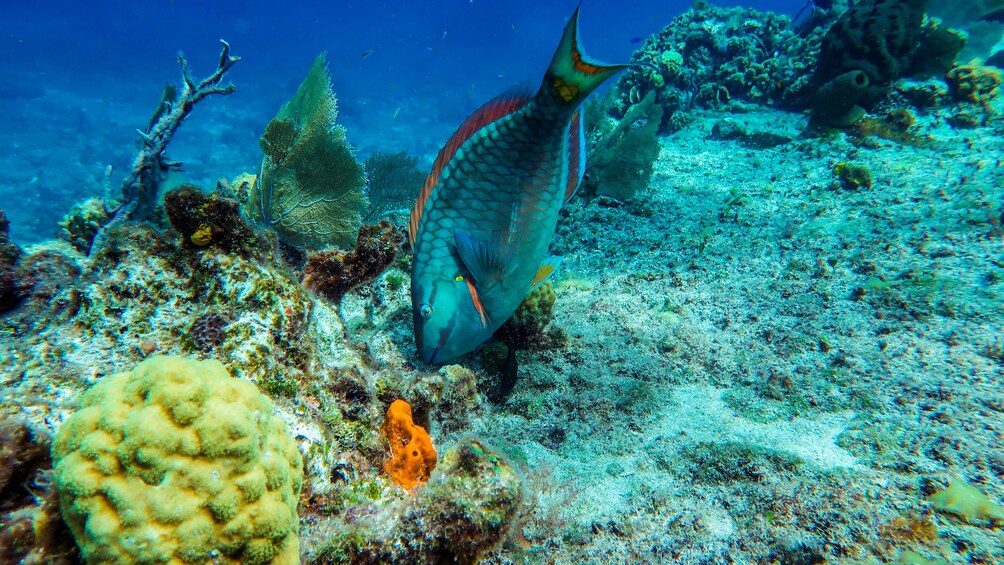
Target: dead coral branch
{"points": [[141, 188]]}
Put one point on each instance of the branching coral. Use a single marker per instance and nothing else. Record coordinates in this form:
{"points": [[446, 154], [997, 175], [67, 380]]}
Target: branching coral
{"points": [[974, 82], [334, 273], [141, 189], [310, 188]]}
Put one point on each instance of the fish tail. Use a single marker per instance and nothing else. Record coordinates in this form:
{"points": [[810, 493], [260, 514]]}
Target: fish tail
{"points": [[572, 75]]}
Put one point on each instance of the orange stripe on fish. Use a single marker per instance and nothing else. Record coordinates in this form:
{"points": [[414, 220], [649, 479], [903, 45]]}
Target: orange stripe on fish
{"points": [[477, 303], [494, 109], [581, 64]]}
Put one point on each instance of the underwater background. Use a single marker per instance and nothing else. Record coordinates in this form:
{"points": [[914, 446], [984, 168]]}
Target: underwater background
{"points": [[776, 335], [78, 80]]}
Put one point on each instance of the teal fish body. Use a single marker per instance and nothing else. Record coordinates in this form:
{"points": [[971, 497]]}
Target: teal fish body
{"points": [[483, 223]]}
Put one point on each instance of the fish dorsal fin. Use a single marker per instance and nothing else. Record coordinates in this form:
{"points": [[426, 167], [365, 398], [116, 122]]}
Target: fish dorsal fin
{"points": [[486, 263], [576, 155], [500, 106], [545, 271]]}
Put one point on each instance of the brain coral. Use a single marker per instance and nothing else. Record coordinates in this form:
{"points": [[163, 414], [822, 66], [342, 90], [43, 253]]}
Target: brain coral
{"points": [[177, 461]]}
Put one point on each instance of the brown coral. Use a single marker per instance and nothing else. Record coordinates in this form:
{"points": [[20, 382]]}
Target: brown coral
{"points": [[208, 331], [210, 220], [31, 531], [334, 273], [11, 291], [974, 82]]}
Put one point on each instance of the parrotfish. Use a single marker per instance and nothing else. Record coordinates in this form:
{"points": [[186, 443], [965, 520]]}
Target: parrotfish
{"points": [[484, 219]]}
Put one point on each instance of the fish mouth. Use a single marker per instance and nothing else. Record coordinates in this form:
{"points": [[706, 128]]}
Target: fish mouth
{"points": [[429, 357]]}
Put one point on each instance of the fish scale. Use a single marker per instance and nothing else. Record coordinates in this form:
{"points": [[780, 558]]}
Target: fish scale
{"points": [[482, 225]]}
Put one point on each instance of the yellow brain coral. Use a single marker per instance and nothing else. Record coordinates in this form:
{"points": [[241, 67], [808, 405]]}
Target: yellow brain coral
{"points": [[178, 462]]}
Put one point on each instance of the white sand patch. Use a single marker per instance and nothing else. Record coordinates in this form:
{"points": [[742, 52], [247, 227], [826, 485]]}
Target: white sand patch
{"points": [[700, 415]]}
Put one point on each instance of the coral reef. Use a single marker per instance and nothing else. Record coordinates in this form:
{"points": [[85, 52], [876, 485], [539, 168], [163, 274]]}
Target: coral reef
{"points": [[527, 324], [621, 153], [937, 50], [974, 86], [710, 57], [874, 37], [177, 460], [412, 456], [463, 511], [310, 189], [393, 183], [334, 273], [758, 359], [211, 220], [81, 225], [11, 286], [974, 82], [874, 43], [207, 331], [31, 529]]}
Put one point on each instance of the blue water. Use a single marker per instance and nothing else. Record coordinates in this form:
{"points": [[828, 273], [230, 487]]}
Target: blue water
{"points": [[79, 78]]}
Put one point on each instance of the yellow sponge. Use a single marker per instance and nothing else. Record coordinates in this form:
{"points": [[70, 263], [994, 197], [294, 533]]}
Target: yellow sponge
{"points": [[178, 462]]}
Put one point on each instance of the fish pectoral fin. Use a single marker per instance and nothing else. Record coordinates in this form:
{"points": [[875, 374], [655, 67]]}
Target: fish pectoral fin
{"points": [[545, 271], [486, 262]]}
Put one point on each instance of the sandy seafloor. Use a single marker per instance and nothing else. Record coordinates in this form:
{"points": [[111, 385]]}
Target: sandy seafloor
{"points": [[758, 365]]}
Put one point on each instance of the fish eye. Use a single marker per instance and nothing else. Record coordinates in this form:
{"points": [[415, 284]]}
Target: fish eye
{"points": [[425, 310]]}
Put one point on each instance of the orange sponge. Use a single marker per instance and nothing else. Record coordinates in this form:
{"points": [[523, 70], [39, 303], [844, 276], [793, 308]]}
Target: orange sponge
{"points": [[412, 456]]}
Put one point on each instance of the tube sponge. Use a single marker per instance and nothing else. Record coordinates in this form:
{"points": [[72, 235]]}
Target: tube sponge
{"points": [[836, 102], [176, 461]]}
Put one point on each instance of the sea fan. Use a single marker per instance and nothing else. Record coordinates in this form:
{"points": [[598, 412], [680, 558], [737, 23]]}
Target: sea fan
{"points": [[310, 189]]}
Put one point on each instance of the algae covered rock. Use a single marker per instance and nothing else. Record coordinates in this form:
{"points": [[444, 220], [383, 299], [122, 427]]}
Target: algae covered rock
{"points": [[622, 154], [709, 57], [177, 461], [467, 508], [210, 220], [310, 188]]}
